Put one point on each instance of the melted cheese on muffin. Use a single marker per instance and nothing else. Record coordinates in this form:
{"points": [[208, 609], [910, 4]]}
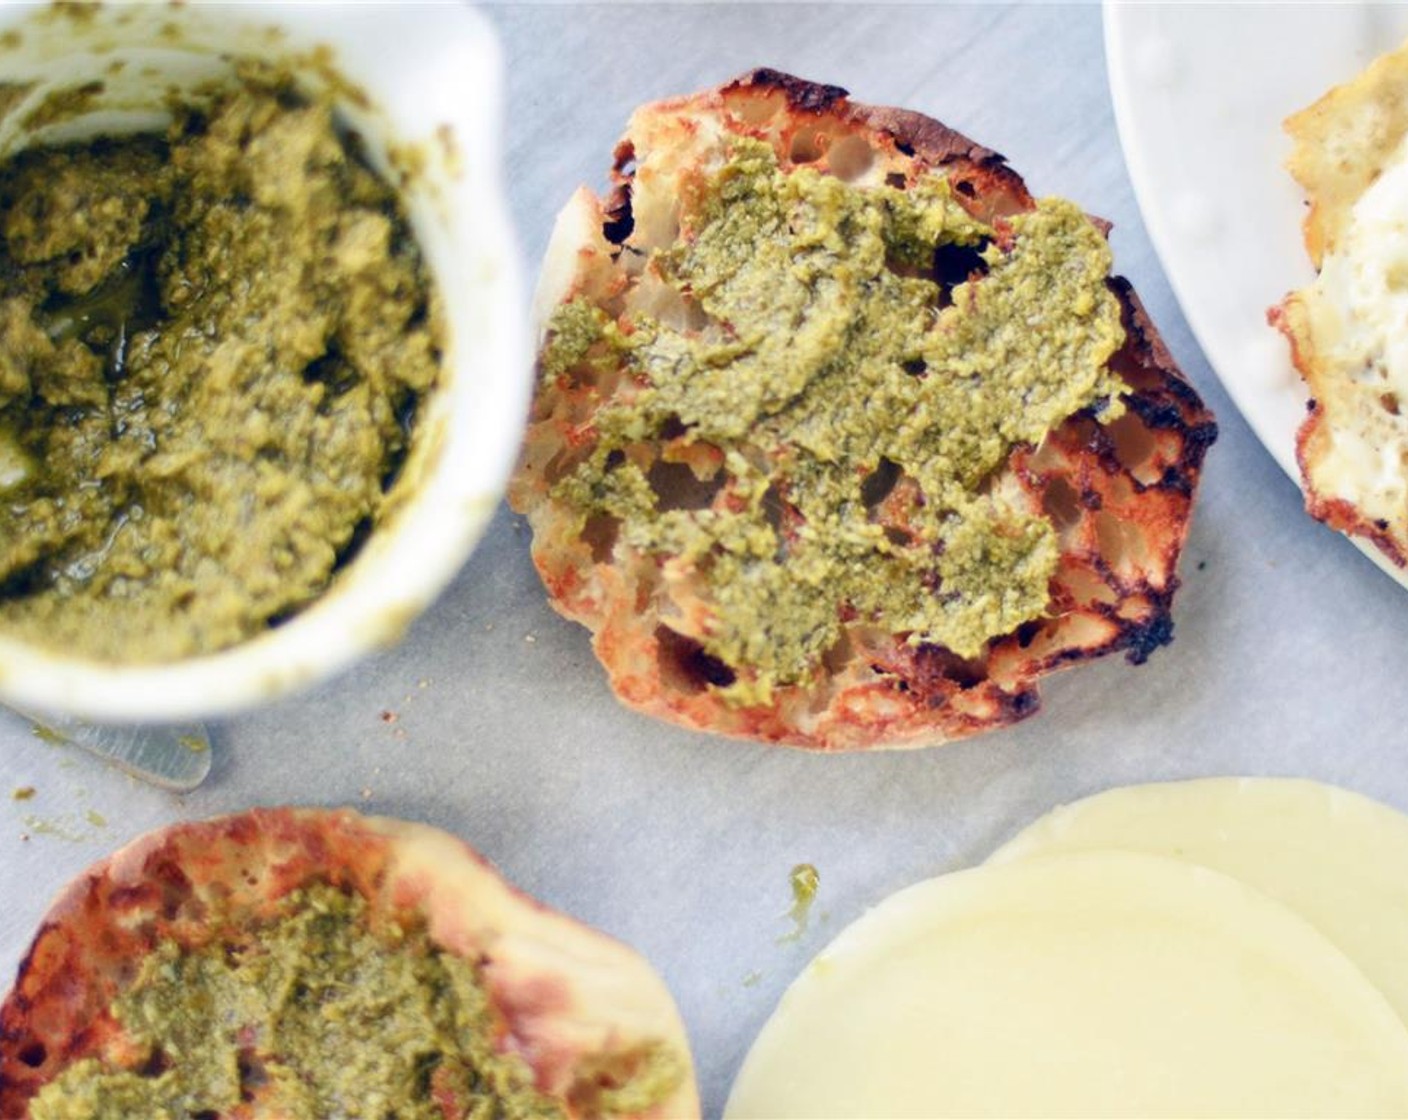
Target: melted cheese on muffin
{"points": [[1358, 314]]}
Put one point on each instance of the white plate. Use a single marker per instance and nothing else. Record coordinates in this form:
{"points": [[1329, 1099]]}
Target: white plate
{"points": [[1200, 92]]}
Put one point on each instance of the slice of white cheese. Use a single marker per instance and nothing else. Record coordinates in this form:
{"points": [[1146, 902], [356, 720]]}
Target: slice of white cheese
{"points": [[1337, 858], [1093, 984]]}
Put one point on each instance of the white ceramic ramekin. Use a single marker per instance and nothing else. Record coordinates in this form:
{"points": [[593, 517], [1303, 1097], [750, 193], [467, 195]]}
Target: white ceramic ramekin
{"points": [[422, 83]]}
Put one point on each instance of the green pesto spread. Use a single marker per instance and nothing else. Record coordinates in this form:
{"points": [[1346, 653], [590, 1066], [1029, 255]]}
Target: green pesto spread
{"points": [[313, 1016], [804, 880], [834, 369], [212, 344]]}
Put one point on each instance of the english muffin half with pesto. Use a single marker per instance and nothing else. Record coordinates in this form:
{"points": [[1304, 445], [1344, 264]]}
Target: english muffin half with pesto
{"points": [[1345, 329], [841, 439], [300, 964]]}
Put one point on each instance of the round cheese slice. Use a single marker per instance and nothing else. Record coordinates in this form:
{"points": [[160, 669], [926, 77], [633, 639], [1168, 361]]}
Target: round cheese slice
{"points": [[1093, 984], [1337, 858]]}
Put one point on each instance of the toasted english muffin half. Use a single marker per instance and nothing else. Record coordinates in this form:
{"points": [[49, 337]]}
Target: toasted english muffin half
{"points": [[1343, 142], [1347, 328], [307, 962], [841, 439]]}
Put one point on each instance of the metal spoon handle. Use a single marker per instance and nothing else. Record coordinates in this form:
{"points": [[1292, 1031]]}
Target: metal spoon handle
{"points": [[172, 756]]}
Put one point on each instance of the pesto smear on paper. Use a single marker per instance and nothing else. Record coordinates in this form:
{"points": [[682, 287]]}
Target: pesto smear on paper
{"points": [[833, 372]]}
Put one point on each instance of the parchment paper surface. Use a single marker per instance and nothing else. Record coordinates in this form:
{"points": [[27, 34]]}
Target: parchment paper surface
{"points": [[493, 720]]}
